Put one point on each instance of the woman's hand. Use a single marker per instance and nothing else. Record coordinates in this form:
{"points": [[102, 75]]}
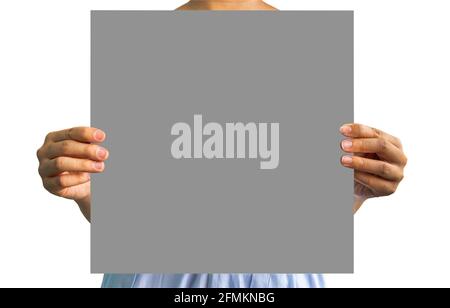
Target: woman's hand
{"points": [[66, 159], [378, 160]]}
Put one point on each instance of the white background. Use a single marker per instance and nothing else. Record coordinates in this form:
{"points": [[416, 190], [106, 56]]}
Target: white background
{"points": [[402, 86]]}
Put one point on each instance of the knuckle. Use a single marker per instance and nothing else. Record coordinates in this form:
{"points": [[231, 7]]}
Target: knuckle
{"points": [[357, 145], [70, 133], [46, 185], [382, 145], [369, 181], [65, 147], [39, 153], [84, 132], [377, 132], [86, 177], [59, 163], [41, 170], [356, 128], [362, 146], [48, 188], [54, 191], [61, 181], [359, 163], [89, 151], [405, 160], [386, 169], [390, 188], [87, 165], [48, 137]]}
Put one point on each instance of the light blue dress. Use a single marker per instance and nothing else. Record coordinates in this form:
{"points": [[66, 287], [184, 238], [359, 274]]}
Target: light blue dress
{"points": [[213, 281]]}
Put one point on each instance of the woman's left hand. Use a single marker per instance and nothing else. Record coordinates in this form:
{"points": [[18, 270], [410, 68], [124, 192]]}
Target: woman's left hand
{"points": [[378, 160]]}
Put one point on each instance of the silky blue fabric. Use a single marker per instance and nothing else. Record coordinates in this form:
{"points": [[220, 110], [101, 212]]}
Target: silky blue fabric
{"points": [[213, 281]]}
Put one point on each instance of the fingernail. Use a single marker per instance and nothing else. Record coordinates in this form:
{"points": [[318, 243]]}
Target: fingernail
{"points": [[346, 129], [347, 144], [99, 135], [347, 160], [101, 153], [98, 165]]}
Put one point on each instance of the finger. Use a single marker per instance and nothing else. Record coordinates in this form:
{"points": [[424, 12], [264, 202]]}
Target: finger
{"points": [[76, 149], [381, 186], [383, 148], [58, 165], [59, 182], [380, 168], [82, 134], [363, 131]]}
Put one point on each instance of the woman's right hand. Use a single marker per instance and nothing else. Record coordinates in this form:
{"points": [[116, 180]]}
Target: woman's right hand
{"points": [[66, 159]]}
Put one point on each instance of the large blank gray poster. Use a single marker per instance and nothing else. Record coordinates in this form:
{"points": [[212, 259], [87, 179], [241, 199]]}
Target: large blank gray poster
{"points": [[223, 132]]}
